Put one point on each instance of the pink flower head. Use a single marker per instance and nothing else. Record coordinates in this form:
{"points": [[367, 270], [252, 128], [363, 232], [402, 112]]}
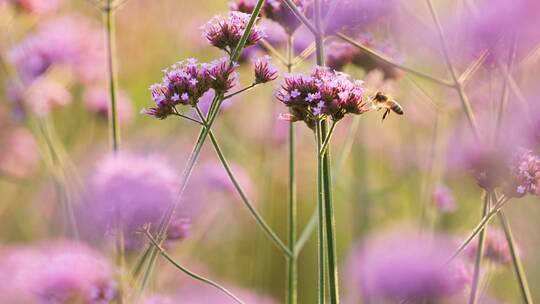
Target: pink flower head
{"points": [[397, 266], [221, 74], [264, 70], [524, 174], [444, 199], [129, 191], [97, 100], [225, 32], [278, 11], [41, 96], [71, 42], [61, 272], [495, 248], [20, 153], [323, 93]]}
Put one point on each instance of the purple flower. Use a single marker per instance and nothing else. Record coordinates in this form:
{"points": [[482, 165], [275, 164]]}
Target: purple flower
{"points": [[40, 97], [524, 174], [225, 32], [323, 93], [401, 265], [444, 199], [58, 272], [97, 100], [187, 81], [495, 248], [20, 153], [72, 42], [264, 70], [274, 10], [129, 191]]}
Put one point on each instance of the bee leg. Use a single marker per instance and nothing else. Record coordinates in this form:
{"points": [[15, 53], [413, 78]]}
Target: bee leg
{"points": [[385, 114]]}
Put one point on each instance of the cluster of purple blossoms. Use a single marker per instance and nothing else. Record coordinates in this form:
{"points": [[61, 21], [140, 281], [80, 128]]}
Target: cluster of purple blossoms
{"points": [[399, 266], [274, 10], [323, 93], [128, 192], [57, 272], [225, 32], [264, 70], [524, 174], [495, 248], [186, 82]]}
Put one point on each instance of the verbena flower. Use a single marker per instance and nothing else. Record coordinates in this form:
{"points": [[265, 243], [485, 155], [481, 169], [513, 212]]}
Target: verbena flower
{"points": [[274, 10], [129, 191], [58, 272], [71, 42], [443, 199], [20, 153], [323, 93], [524, 174], [40, 97], [185, 82], [264, 70], [97, 100], [225, 32], [495, 248], [396, 266]]}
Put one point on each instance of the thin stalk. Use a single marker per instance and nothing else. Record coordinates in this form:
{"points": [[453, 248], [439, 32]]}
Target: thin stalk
{"points": [[386, 60], [251, 86], [259, 219], [516, 261], [479, 253], [465, 103], [327, 138], [494, 209], [292, 264], [320, 218], [191, 274], [504, 93], [292, 6], [473, 68], [330, 225], [214, 107], [111, 63], [267, 46]]}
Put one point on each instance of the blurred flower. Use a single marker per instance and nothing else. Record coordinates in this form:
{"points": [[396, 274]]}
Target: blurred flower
{"points": [[225, 32], [213, 176], [524, 174], [495, 248], [274, 10], [58, 272], [402, 265], [444, 199], [264, 70], [192, 292], [40, 97], [323, 93], [129, 191], [186, 82], [20, 154], [97, 100], [37, 7], [158, 300], [71, 42]]}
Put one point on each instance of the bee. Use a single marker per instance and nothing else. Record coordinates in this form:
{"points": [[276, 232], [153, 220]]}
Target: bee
{"points": [[388, 103]]}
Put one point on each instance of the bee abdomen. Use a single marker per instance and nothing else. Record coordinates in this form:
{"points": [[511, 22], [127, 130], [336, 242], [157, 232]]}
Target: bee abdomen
{"points": [[395, 107]]}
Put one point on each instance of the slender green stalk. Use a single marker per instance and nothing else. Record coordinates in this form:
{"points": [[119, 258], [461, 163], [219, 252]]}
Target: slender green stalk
{"points": [[292, 6], [267, 46], [516, 261], [260, 221], [465, 103], [193, 275], [479, 253], [111, 62], [330, 226], [320, 218], [473, 68], [328, 137], [386, 60], [504, 93], [214, 107], [494, 209], [292, 264], [251, 86]]}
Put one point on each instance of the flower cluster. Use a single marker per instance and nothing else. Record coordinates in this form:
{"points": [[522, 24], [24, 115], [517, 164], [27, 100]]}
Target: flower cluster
{"points": [[264, 70], [129, 191], [225, 32], [187, 81], [57, 272], [525, 174], [495, 249], [323, 93]]}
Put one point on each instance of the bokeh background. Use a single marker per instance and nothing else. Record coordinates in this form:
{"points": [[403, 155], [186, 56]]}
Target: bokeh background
{"points": [[402, 173]]}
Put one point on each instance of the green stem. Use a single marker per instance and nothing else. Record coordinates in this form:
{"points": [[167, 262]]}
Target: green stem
{"points": [[292, 264], [327, 138], [479, 253], [251, 86], [320, 218], [330, 226], [260, 221], [111, 53], [516, 261], [292, 6], [193, 275], [504, 93]]}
